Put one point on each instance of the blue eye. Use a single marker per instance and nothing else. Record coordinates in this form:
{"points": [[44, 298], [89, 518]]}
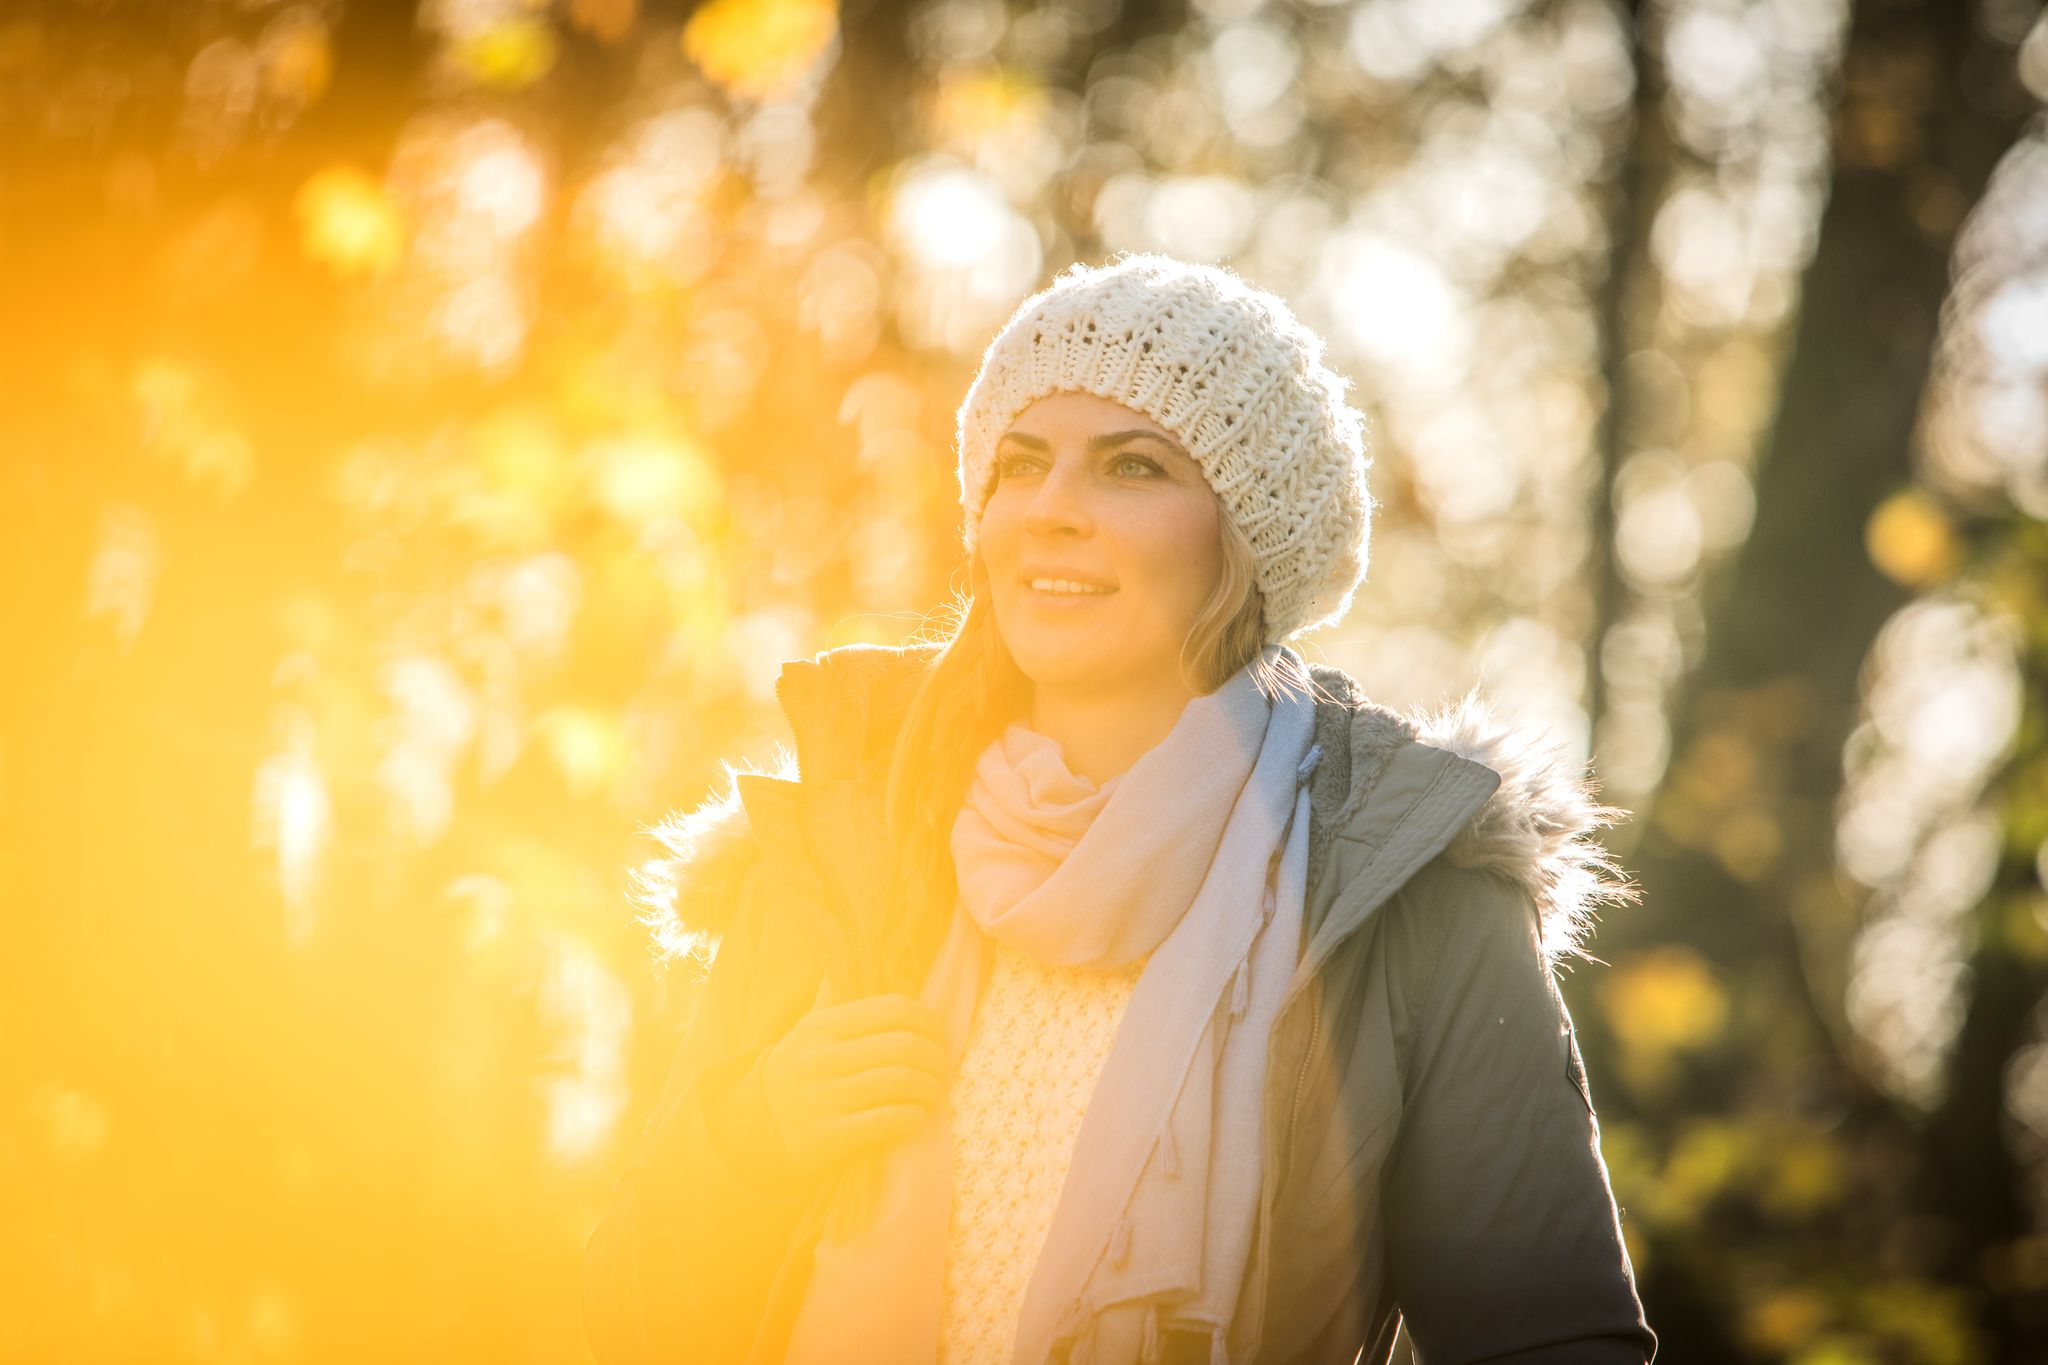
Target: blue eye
{"points": [[1007, 465]]}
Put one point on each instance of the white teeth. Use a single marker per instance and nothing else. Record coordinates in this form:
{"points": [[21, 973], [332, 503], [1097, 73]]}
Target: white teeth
{"points": [[1066, 585]]}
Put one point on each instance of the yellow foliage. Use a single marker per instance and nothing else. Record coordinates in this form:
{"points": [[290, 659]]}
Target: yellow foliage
{"points": [[186, 428], [1660, 1003], [983, 103], [1935, 1322], [1735, 385], [606, 20], [587, 744], [1704, 1161], [516, 484], [1838, 1350], [296, 59], [1748, 843], [1806, 1174], [1682, 814], [760, 48], [642, 480], [1784, 1320], [2025, 927], [511, 55], [1725, 763], [348, 223], [1910, 539]]}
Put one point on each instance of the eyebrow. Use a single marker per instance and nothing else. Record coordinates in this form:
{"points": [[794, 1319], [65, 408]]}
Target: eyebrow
{"points": [[1095, 443]]}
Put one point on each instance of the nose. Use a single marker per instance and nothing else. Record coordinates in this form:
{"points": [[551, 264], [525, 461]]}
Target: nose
{"points": [[1060, 502]]}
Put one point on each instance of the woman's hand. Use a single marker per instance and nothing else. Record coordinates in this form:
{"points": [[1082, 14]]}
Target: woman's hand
{"points": [[849, 1076]]}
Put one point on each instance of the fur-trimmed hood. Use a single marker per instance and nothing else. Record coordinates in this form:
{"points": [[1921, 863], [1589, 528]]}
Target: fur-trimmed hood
{"points": [[1537, 829]]}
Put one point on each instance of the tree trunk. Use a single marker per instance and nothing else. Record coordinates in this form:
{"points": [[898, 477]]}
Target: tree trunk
{"points": [[1758, 732]]}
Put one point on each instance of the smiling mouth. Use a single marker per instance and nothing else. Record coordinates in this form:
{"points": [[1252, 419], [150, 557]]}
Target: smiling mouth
{"points": [[1062, 591]]}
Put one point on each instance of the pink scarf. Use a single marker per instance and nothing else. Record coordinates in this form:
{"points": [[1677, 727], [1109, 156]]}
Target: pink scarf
{"points": [[1197, 855]]}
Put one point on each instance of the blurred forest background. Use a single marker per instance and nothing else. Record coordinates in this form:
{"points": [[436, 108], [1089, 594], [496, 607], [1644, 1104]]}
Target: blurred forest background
{"points": [[425, 429]]}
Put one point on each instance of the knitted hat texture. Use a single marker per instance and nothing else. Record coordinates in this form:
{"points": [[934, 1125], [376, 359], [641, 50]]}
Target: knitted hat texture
{"points": [[1234, 376]]}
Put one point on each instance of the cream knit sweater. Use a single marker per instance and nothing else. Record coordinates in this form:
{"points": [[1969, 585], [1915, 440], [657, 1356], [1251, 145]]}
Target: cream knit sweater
{"points": [[1038, 1041]]}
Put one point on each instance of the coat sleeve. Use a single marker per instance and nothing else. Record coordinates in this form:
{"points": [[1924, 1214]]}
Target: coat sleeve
{"points": [[681, 1263], [1504, 1242]]}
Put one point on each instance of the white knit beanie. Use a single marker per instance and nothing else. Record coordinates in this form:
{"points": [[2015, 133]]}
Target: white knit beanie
{"points": [[1237, 379]]}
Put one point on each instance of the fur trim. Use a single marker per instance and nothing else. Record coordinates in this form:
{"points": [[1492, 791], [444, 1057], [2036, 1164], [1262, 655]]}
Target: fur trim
{"points": [[1536, 829], [707, 853]]}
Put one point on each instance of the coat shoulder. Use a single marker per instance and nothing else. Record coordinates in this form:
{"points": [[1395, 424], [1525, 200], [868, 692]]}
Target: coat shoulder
{"points": [[1537, 830], [686, 889], [845, 703]]}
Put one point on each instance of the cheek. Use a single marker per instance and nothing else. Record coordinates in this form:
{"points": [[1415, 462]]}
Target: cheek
{"points": [[997, 532], [1179, 550]]}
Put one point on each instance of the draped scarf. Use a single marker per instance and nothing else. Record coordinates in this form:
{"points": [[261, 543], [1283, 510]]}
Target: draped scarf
{"points": [[1196, 855]]}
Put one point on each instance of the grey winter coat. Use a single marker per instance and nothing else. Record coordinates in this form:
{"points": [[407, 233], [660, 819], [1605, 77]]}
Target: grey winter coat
{"points": [[1432, 1151]]}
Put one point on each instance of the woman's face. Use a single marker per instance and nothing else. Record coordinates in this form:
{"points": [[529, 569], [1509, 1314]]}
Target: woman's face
{"points": [[1089, 492]]}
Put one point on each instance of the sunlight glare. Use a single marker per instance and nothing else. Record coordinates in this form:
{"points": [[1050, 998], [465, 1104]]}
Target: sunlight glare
{"points": [[125, 565], [1397, 307], [294, 819], [500, 185], [949, 217], [592, 1013], [761, 49], [348, 223], [435, 717]]}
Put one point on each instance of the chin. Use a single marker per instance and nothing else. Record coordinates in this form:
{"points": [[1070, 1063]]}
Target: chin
{"points": [[1044, 657], [1077, 663], [1077, 654], [1061, 671]]}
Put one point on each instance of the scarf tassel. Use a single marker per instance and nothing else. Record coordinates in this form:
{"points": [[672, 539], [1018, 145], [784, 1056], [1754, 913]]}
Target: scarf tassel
{"points": [[1308, 762], [1148, 1345], [1241, 989], [1219, 1346], [1068, 1345], [1120, 1241]]}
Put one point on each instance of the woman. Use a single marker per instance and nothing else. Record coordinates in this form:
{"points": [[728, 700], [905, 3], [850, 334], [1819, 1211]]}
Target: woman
{"points": [[1103, 983]]}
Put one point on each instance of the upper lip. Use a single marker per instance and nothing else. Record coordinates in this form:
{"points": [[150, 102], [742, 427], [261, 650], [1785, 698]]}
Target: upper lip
{"points": [[1070, 575]]}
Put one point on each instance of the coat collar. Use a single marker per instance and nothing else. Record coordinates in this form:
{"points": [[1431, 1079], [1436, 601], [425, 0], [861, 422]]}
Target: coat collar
{"points": [[1489, 793]]}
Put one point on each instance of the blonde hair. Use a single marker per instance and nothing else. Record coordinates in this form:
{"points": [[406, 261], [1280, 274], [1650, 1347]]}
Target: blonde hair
{"points": [[974, 688]]}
